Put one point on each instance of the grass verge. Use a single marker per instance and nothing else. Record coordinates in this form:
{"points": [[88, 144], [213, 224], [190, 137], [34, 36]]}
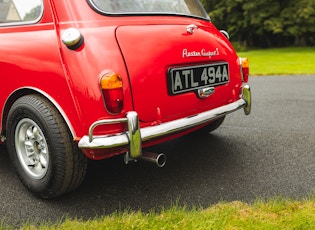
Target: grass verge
{"points": [[281, 61], [274, 214]]}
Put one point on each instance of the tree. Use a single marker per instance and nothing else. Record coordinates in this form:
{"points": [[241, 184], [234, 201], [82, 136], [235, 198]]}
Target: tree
{"points": [[228, 15], [298, 20], [265, 23]]}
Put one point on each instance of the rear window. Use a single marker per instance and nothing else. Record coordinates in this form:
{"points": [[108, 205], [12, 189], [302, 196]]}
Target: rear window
{"points": [[177, 7]]}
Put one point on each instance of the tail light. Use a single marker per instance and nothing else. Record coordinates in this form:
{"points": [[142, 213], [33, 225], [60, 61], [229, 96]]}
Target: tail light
{"points": [[245, 68], [112, 89]]}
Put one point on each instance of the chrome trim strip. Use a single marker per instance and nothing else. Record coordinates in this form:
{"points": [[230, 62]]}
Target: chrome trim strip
{"points": [[190, 122], [152, 132], [51, 99]]}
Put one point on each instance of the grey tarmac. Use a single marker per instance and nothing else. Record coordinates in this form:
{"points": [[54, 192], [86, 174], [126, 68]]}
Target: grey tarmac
{"points": [[266, 154]]}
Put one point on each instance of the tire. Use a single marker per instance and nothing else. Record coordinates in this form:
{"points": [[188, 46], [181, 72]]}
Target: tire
{"points": [[211, 127], [46, 159]]}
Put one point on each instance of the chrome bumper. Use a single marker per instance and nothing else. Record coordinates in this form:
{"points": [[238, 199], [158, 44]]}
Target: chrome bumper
{"points": [[134, 136]]}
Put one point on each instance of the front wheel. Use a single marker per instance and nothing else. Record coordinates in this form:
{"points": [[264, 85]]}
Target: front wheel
{"points": [[45, 158]]}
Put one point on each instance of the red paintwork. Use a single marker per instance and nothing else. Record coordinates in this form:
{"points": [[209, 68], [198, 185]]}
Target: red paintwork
{"points": [[33, 58]]}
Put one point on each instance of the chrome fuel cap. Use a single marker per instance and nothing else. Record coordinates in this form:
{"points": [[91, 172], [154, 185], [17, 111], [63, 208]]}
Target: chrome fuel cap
{"points": [[72, 38]]}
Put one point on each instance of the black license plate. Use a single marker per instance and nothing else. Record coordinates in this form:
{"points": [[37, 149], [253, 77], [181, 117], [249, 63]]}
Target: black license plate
{"points": [[185, 79]]}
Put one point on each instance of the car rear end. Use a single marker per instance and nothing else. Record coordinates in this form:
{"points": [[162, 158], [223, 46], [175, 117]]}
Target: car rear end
{"points": [[182, 74]]}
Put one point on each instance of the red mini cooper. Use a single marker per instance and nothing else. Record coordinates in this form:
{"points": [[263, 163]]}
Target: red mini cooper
{"points": [[98, 78]]}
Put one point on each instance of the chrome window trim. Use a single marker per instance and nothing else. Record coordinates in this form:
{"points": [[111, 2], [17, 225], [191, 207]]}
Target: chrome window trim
{"points": [[100, 11]]}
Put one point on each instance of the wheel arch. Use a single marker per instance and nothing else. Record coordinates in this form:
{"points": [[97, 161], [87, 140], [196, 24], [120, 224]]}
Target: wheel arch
{"points": [[27, 91]]}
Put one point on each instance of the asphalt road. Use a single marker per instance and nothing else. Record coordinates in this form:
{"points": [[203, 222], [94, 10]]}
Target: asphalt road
{"points": [[269, 153]]}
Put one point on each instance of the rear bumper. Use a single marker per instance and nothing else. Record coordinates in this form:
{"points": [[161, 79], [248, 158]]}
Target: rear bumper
{"points": [[135, 136]]}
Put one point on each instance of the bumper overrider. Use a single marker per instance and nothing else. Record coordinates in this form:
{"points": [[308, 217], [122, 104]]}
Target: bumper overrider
{"points": [[135, 136]]}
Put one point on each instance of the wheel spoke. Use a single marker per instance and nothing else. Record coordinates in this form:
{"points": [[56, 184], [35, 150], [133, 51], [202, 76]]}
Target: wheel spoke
{"points": [[28, 143], [38, 167], [30, 134], [35, 133], [29, 148], [31, 163], [43, 161]]}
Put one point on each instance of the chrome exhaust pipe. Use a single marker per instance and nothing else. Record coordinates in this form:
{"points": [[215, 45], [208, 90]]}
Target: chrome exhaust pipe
{"points": [[158, 158]]}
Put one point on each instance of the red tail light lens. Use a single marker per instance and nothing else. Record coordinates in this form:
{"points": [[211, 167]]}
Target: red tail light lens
{"points": [[245, 68], [112, 89]]}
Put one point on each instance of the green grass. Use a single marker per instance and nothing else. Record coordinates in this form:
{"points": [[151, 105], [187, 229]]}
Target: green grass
{"points": [[281, 61], [274, 214]]}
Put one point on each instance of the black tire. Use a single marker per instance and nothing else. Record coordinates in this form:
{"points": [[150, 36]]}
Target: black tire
{"points": [[41, 148], [211, 127]]}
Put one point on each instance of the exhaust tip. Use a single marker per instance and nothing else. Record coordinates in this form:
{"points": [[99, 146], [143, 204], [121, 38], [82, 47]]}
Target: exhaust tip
{"points": [[158, 158], [161, 160]]}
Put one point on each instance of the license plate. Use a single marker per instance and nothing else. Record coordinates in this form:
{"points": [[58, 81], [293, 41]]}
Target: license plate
{"points": [[192, 78]]}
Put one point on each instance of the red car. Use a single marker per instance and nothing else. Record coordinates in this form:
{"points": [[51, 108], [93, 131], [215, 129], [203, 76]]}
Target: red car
{"points": [[98, 78]]}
